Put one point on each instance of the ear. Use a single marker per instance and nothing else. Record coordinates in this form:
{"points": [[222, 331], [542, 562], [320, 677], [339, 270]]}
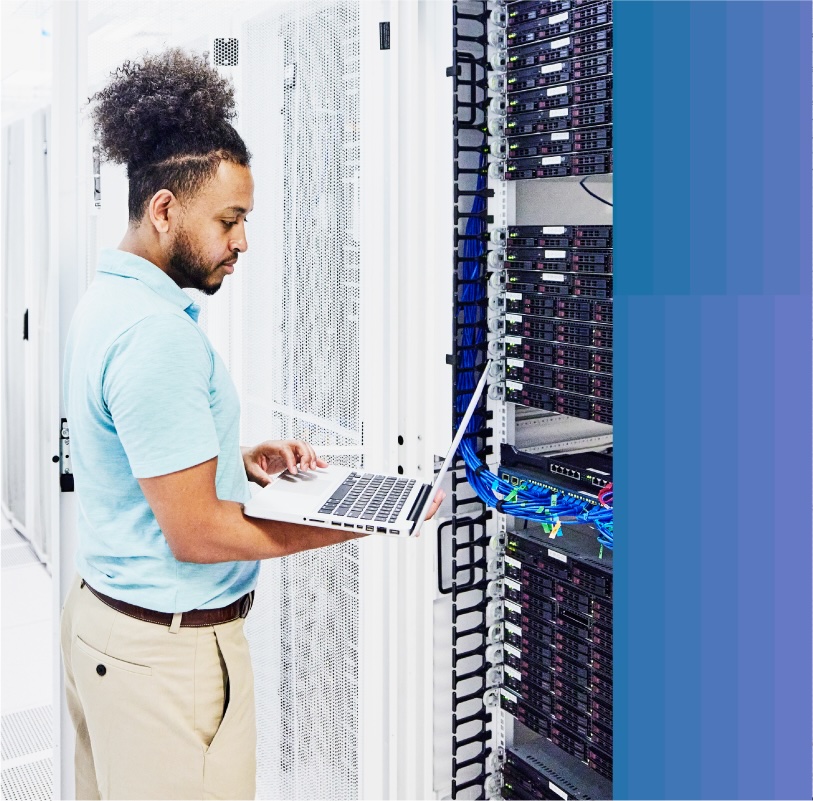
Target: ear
{"points": [[162, 210]]}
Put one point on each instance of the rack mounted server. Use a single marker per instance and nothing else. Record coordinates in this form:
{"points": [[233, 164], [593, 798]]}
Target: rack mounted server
{"points": [[558, 333], [558, 90], [558, 644]]}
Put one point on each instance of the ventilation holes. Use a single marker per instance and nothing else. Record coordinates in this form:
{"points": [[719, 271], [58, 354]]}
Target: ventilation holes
{"points": [[301, 376], [561, 780], [226, 52], [30, 782], [26, 732]]}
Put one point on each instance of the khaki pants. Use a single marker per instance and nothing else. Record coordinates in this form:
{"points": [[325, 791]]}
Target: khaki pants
{"points": [[160, 712]]}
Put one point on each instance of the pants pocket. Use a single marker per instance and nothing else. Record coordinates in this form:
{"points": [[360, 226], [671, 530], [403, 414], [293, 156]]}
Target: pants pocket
{"points": [[211, 688], [230, 761], [105, 661]]}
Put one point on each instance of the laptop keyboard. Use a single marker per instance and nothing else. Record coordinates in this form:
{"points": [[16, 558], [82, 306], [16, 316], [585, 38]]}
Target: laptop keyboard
{"points": [[369, 496]]}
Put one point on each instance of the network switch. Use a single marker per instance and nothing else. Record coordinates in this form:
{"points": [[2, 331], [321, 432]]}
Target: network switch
{"points": [[594, 335], [559, 72], [579, 43], [592, 90], [559, 119], [599, 311], [560, 236], [563, 356], [589, 470]]}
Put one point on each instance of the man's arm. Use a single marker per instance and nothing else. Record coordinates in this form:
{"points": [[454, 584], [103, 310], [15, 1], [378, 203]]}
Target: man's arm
{"points": [[200, 527]]}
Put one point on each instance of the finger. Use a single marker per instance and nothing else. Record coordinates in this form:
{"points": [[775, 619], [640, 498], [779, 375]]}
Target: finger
{"points": [[436, 504], [306, 455], [321, 462], [311, 456], [287, 453], [302, 455]]}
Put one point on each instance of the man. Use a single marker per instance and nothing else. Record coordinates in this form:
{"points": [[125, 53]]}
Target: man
{"points": [[157, 669]]}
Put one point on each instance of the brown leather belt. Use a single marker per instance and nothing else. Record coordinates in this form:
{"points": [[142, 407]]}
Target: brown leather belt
{"points": [[195, 618]]}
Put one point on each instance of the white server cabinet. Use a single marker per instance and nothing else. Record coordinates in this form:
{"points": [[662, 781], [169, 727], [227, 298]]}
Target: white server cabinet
{"points": [[335, 328]]}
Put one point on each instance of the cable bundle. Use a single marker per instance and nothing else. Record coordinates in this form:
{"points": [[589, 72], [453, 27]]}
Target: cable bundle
{"points": [[529, 502]]}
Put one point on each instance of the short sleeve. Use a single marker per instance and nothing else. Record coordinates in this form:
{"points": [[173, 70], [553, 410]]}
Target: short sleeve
{"points": [[155, 385]]}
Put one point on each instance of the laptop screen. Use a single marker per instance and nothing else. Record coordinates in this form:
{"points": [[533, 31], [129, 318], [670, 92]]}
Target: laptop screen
{"points": [[454, 446]]}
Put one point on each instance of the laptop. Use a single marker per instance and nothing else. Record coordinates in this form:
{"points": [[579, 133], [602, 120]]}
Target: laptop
{"points": [[344, 498]]}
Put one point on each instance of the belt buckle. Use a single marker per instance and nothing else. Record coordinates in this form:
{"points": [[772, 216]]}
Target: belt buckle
{"points": [[246, 602]]}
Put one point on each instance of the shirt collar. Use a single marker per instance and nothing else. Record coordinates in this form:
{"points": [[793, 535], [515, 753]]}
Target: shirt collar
{"points": [[128, 265]]}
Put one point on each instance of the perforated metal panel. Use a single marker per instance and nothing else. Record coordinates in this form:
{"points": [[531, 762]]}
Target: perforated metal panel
{"points": [[300, 116], [29, 782], [299, 313], [27, 732], [226, 52]]}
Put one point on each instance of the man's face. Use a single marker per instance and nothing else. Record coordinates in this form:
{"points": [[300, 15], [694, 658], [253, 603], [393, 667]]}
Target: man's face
{"points": [[212, 230]]}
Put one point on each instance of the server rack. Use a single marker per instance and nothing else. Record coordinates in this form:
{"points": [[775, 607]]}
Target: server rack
{"points": [[533, 112]]}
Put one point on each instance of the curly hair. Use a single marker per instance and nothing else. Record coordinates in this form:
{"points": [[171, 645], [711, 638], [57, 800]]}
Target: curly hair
{"points": [[167, 118]]}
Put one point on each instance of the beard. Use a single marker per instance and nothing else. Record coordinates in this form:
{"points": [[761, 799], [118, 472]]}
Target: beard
{"points": [[190, 268]]}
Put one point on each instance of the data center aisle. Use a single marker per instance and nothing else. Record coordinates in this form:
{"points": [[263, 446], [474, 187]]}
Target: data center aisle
{"points": [[27, 676]]}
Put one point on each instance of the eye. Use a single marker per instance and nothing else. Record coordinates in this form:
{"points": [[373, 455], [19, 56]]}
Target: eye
{"points": [[229, 223]]}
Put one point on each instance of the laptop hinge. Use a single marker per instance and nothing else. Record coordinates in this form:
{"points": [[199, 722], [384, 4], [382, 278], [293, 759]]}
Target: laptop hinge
{"points": [[416, 507]]}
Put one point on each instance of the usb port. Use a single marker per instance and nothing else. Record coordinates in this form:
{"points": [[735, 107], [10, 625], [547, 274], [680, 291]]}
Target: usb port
{"points": [[382, 530], [370, 528], [334, 523], [348, 525]]}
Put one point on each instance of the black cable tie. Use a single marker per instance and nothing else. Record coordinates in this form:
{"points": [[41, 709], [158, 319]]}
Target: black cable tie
{"points": [[498, 506], [478, 471]]}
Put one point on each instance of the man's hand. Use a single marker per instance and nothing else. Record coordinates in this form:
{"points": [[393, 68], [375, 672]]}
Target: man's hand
{"points": [[435, 504], [275, 455]]}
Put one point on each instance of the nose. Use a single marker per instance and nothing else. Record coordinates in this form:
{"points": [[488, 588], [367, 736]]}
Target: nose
{"points": [[239, 242]]}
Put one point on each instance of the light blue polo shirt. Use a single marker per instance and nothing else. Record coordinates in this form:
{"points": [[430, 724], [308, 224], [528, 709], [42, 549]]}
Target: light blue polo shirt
{"points": [[146, 394]]}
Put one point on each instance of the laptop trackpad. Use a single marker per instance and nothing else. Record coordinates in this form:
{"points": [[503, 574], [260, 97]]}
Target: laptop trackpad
{"points": [[313, 482]]}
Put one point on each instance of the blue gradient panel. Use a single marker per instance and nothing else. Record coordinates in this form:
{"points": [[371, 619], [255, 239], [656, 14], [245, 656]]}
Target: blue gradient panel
{"points": [[713, 408]]}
